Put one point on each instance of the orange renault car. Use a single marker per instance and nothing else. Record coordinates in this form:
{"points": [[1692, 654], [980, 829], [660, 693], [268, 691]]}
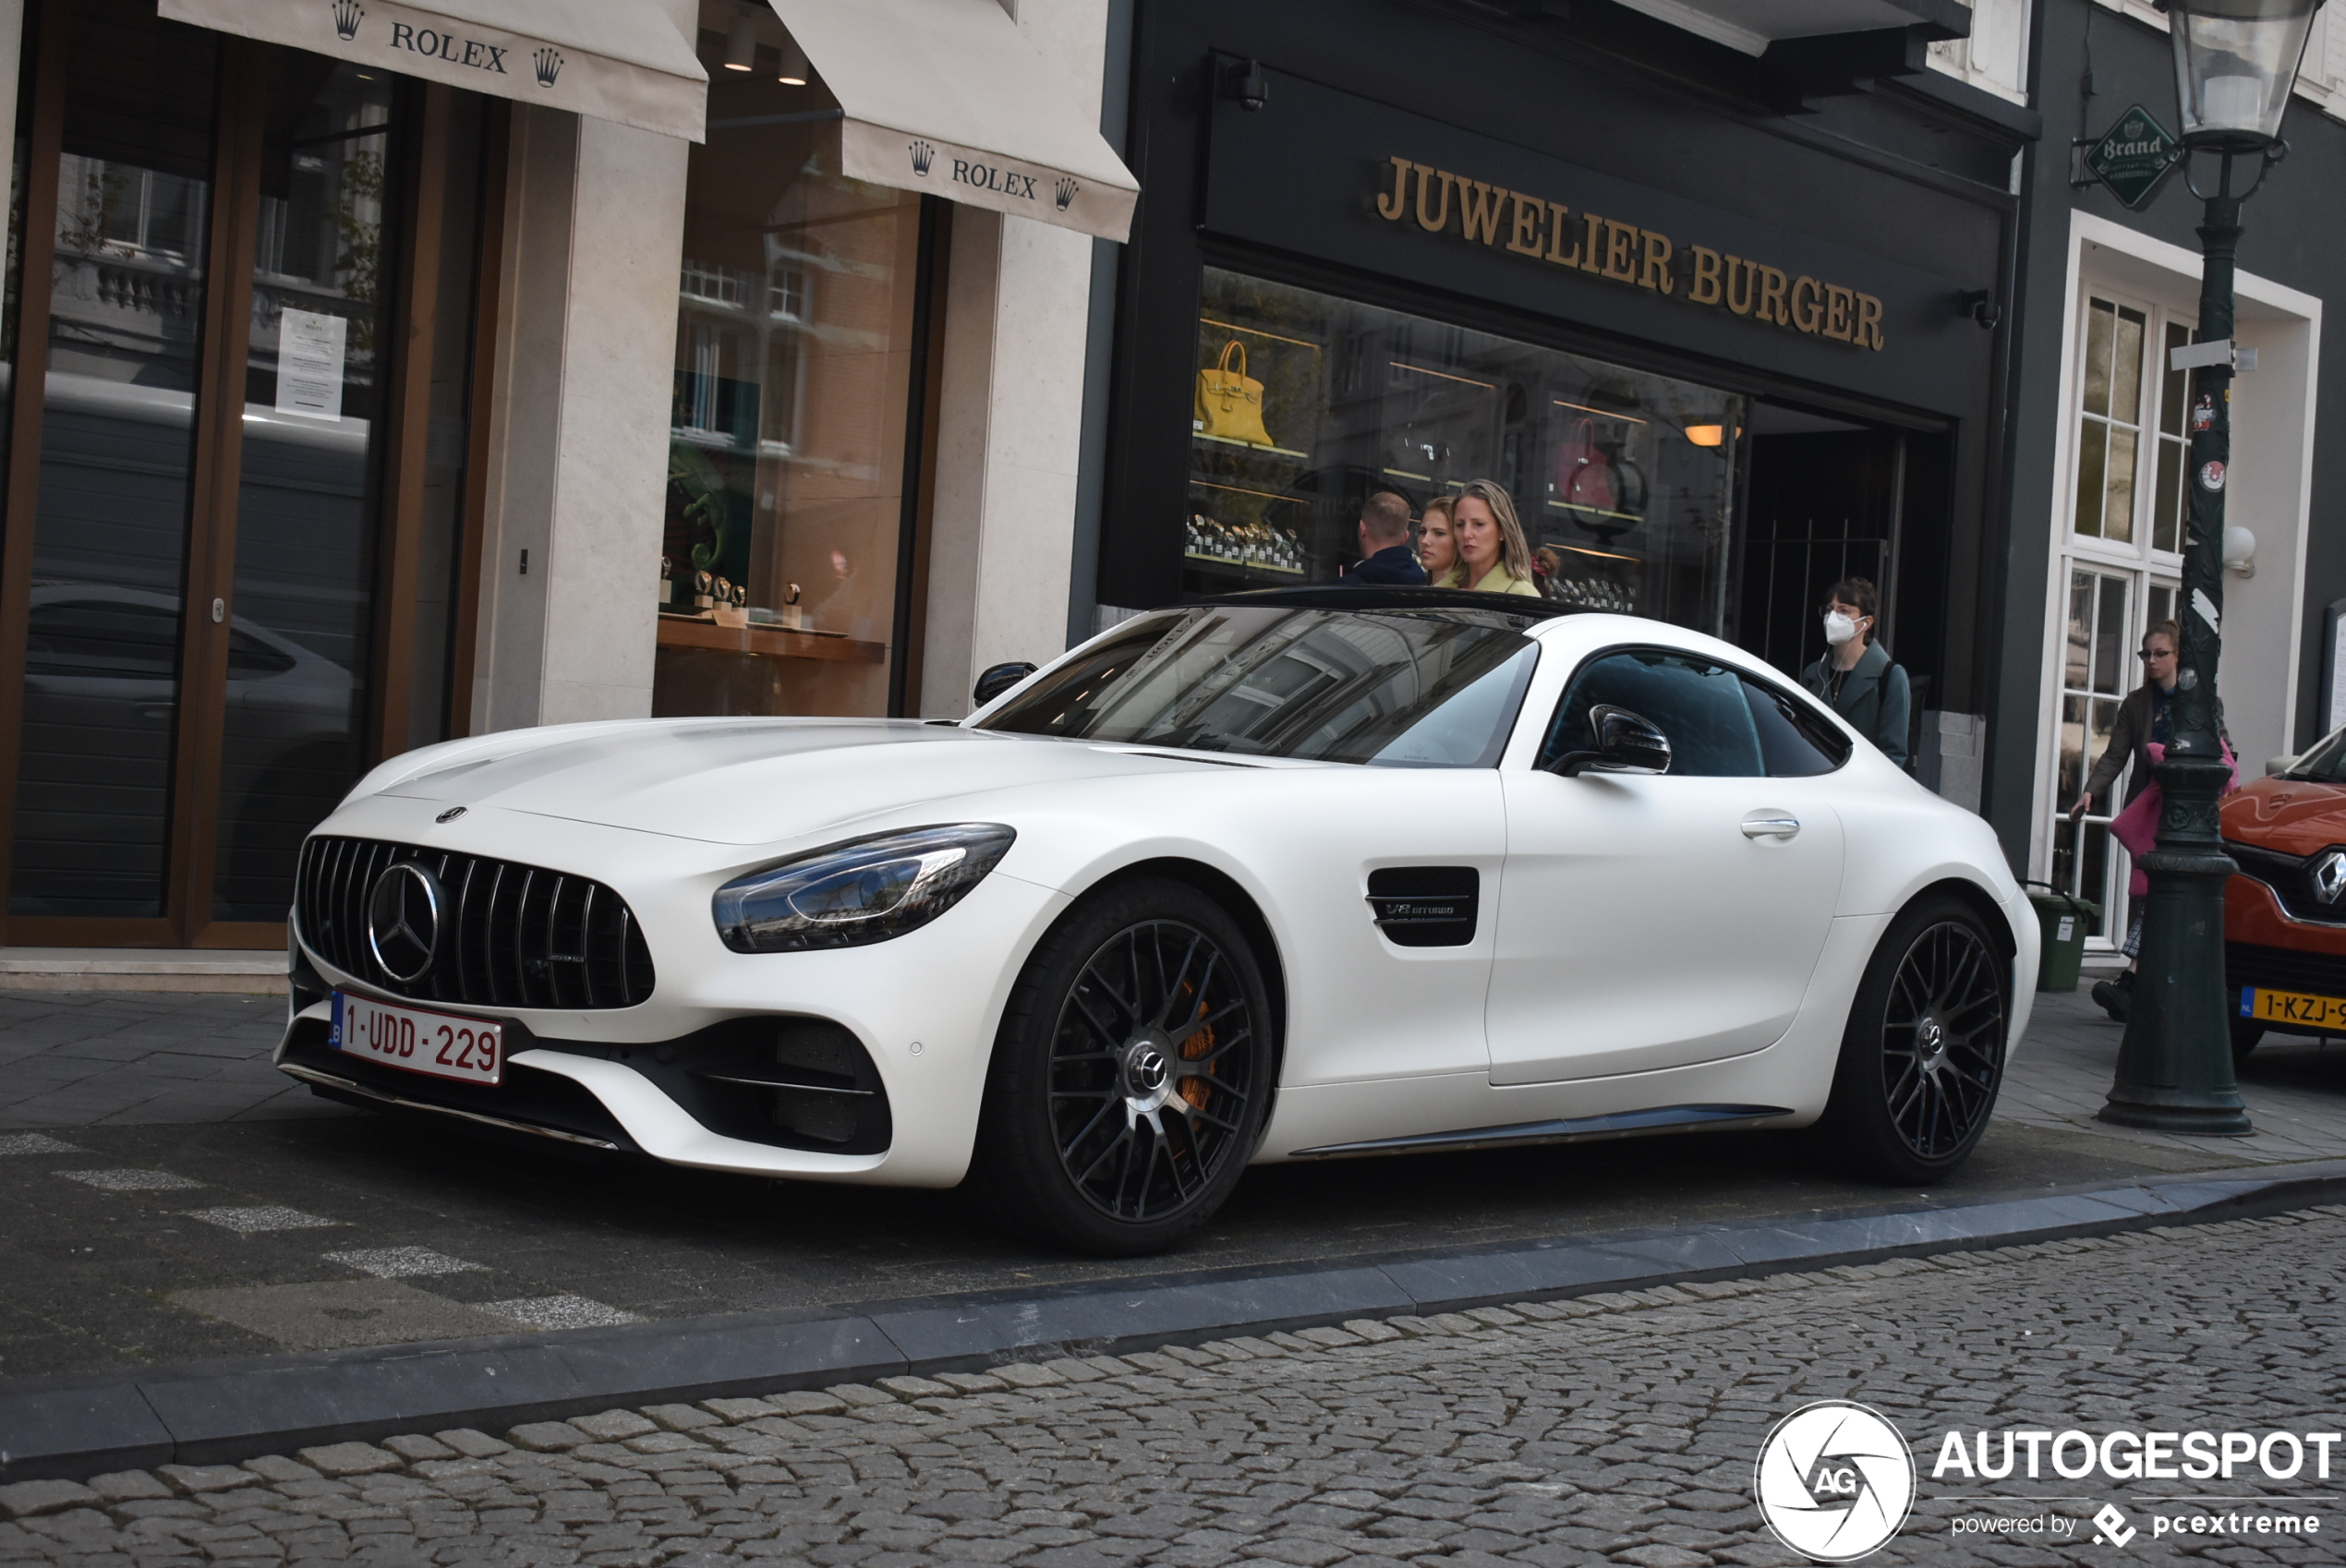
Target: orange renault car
{"points": [[2285, 913]]}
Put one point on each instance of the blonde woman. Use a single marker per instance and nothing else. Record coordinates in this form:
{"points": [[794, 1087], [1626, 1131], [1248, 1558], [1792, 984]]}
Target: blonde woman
{"points": [[1438, 542], [1494, 557]]}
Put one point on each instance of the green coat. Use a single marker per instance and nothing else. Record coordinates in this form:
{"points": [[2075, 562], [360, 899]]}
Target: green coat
{"points": [[1873, 699]]}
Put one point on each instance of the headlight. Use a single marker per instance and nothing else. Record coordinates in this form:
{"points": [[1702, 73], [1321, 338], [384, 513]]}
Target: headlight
{"points": [[863, 890]]}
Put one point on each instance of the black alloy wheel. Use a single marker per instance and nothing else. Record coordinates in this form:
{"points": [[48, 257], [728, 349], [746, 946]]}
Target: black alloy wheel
{"points": [[1923, 1055], [1129, 1080]]}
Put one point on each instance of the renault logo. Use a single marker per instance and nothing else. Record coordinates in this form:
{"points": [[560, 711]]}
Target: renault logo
{"points": [[403, 920], [2329, 873]]}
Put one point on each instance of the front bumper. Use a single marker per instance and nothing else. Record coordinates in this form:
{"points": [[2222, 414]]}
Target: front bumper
{"points": [[2265, 948], [893, 1039]]}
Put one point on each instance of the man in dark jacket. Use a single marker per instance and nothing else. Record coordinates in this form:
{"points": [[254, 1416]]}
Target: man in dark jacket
{"points": [[1855, 676], [1386, 560]]}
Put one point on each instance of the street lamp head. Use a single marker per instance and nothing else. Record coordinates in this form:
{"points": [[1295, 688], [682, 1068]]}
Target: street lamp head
{"points": [[2235, 61]]}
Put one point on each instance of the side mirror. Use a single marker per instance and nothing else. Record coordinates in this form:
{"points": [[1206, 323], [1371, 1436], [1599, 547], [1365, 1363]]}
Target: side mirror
{"points": [[1625, 742], [2274, 766], [999, 679]]}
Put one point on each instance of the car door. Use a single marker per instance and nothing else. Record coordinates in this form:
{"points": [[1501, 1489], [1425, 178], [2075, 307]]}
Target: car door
{"points": [[1661, 920]]}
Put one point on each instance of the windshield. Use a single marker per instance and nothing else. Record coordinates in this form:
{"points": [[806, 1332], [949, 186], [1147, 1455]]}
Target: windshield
{"points": [[1394, 688], [2326, 763]]}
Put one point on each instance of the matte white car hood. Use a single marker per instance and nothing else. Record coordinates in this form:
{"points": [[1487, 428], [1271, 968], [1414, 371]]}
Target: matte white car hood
{"points": [[758, 781]]}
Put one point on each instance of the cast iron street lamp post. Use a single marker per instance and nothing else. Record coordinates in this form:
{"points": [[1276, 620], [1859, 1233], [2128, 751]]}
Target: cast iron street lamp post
{"points": [[2235, 61]]}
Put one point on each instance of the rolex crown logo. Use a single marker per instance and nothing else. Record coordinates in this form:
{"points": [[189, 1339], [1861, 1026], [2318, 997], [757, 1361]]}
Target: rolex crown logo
{"points": [[1067, 189], [550, 65], [923, 155], [347, 15]]}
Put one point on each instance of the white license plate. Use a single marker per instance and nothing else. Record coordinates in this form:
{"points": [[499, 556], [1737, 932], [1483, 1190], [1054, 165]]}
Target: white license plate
{"points": [[469, 1050]]}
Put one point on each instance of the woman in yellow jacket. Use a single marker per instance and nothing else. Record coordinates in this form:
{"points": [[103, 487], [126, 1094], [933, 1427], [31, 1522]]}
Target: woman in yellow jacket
{"points": [[1494, 557]]}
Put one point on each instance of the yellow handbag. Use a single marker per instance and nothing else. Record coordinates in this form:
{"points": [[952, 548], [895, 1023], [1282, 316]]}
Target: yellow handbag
{"points": [[1230, 402]]}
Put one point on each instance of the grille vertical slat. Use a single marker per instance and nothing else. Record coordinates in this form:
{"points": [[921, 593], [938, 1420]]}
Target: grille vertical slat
{"points": [[586, 949], [492, 973], [463, 952], [520, 949], [557, 973], [521, 937]]}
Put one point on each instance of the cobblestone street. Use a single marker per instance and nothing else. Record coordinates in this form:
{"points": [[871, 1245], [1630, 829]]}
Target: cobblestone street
{"points": [[1613, 1428]]}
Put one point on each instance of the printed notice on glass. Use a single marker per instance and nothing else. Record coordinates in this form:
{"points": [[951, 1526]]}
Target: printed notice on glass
{"points": [[310, 356]]}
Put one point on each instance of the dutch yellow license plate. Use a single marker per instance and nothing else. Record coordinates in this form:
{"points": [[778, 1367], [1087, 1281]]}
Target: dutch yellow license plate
{"points": [[2293, 1007]]}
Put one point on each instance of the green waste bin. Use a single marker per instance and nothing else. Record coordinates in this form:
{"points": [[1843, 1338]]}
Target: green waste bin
{"points": [[2064, 919]]}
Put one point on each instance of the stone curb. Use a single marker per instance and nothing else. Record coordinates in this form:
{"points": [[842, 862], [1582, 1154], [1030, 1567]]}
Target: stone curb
{"points": [[223, 1412]]}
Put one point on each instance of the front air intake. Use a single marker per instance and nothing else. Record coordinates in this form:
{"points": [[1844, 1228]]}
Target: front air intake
{"points": [[507, 935]]}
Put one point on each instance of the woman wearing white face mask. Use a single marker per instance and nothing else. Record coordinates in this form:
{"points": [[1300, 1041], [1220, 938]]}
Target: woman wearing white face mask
{"points": [[1855, 676]]}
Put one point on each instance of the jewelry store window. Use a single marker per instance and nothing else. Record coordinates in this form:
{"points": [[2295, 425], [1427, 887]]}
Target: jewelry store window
{"points": [[1307, 404], [795, 375]]}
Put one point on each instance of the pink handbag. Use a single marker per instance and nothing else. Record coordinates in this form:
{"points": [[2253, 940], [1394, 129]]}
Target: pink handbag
{"points": [[2136, 827]]}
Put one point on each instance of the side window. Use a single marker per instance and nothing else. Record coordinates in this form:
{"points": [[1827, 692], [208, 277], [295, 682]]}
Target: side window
{"points": [[248, 655], [107, 638], [1699, 704], [1794, 741]]}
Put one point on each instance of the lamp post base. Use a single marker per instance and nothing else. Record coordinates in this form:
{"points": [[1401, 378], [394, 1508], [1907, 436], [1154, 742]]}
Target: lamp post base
{"points": [[2175, 1064]]}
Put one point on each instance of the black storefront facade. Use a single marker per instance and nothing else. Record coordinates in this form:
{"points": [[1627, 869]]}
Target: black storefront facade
{"points": [[1726, 327]]}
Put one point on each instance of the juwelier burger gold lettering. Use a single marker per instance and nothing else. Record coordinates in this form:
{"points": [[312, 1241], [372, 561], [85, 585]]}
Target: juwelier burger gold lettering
{"points": [[1550, 232]]}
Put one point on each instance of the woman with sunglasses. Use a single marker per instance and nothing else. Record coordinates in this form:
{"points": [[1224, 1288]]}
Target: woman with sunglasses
{"points": [[2147, 717]]}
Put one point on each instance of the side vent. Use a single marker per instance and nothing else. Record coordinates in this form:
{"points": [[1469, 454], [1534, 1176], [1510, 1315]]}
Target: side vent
{"points": [[1425, 906], [800, 1083]]}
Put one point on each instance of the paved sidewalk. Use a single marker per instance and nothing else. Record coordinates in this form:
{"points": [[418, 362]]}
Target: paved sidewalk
{"points": [[2295, 1087], [98, 1058], [1617, 1428]]}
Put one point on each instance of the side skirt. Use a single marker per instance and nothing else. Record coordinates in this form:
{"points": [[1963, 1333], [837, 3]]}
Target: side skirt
{"points": [[1621, 1124]]}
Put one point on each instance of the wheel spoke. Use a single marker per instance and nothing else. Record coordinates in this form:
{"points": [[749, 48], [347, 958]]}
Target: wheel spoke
{"points": [[1082, 1005], [1198, 1113], [1223, 1049], [1174, 993], [1190, 1031]]}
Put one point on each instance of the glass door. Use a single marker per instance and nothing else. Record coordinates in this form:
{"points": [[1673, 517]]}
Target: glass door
{"points": [[2121, 565], [220, 487], [292, 731], [115, 307]]}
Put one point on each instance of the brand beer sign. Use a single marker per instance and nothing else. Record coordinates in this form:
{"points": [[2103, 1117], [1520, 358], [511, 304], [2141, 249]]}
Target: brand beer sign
{"points": [[1540, 230]]}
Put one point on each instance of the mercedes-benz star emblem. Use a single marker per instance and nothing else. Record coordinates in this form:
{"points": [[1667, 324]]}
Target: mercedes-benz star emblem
{"points": [[2329, 877], [403, 920], [451, 814]]}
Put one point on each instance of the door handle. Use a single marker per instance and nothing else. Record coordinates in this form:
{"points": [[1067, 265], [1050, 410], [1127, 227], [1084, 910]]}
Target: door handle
{"points": [[1775, 827]]}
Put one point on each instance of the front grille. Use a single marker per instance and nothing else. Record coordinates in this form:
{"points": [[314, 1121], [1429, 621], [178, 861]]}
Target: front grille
{"points": [[512, 936], [2284, 969], [2291, 879]]}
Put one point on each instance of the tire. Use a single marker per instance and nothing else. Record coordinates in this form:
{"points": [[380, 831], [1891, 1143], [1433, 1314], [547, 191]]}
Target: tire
{"points": [[1923, 1055], [1114, 1123], [2245, 1034]]}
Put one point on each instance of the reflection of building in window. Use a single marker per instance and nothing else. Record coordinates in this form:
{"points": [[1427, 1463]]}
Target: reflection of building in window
{"points": [[1623, 480], [792, 376]]}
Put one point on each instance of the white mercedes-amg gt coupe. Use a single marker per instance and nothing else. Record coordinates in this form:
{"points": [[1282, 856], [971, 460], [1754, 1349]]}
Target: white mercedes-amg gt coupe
{"points": [[1300, 875]]}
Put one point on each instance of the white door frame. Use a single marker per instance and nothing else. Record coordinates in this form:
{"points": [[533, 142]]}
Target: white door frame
{"points": [[2274, 410]]}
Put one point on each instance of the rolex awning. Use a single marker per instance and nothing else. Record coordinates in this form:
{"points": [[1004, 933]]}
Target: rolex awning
{"points": [[949, 97], [620, 60]]}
